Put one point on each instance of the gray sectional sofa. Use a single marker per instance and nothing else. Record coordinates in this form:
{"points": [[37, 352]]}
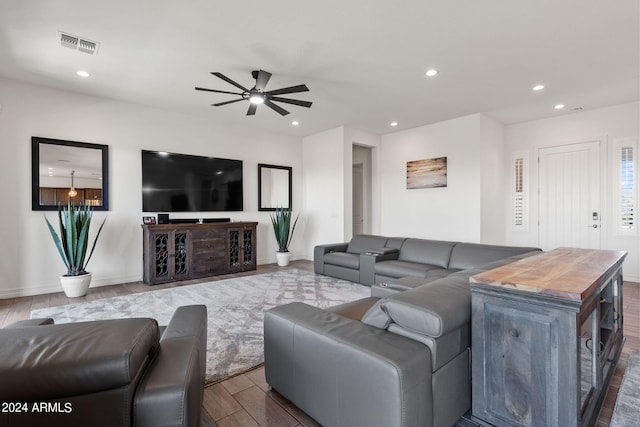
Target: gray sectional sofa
{"points": [[398, 358], [370, 260]]}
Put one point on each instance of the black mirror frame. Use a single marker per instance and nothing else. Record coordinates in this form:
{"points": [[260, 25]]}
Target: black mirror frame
{"points": [[266, 166], [35, 171]]}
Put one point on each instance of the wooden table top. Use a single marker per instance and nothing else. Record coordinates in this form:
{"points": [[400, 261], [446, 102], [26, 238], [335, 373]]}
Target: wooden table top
{"points": [[567, 273]]}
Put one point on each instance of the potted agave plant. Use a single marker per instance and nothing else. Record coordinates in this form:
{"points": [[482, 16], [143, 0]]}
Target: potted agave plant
{"points": [[281, 220], [72, 244]]}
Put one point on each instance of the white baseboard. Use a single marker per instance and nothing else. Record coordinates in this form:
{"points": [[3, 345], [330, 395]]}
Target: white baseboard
{"points": [[273, 260], [51, 288]]}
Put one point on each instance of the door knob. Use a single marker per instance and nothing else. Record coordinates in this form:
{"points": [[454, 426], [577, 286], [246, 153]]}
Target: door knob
{"points": [[593, 226]]}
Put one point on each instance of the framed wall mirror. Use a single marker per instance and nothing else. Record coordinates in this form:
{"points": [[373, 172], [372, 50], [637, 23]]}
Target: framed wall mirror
{"points": [[274, 187], [68, 170]]}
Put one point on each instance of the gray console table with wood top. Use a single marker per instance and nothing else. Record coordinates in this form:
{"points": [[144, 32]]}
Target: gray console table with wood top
{"points": [[546, 336]]}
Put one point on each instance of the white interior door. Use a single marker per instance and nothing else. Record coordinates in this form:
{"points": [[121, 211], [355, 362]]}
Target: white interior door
{"points": [[569, 196], [358, 199]]}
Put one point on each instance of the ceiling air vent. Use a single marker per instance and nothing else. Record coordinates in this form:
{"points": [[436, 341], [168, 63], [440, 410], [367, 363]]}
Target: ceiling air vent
{"points": [[78, 43]]}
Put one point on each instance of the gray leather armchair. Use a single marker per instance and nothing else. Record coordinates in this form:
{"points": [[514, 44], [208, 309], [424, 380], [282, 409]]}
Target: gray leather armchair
{"points": [[124, 372]]}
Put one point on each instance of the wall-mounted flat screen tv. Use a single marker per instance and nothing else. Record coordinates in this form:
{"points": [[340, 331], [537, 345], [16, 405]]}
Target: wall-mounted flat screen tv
{"points": [[184, 183]]}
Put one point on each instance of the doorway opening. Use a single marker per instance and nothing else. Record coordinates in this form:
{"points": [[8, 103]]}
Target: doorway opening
{"points": [[362, 190]]}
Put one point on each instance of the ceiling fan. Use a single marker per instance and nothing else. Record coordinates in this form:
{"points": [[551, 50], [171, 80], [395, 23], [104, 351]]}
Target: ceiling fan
{"points": [[257, 95]]}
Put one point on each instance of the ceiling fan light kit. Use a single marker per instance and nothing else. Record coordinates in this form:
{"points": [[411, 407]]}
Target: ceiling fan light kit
{"points": [[257, 95]]}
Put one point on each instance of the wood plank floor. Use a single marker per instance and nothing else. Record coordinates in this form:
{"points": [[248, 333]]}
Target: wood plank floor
{"points": [[246, 400]]}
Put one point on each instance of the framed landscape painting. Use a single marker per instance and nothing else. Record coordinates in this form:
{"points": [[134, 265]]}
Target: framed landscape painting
{"points": [[428, 173]]}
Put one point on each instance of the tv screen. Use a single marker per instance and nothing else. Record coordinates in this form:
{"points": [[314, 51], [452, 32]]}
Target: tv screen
{"points": [[183, 183]]}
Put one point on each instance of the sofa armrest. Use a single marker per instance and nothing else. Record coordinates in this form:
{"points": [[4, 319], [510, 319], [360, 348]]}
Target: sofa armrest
{"points": [[30, 322], [172, 389], [368, 265], [320, 250], [322, 362]]}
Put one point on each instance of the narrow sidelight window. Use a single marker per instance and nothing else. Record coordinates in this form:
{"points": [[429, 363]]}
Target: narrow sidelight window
{"points": [[627, 188], [519, 185]]}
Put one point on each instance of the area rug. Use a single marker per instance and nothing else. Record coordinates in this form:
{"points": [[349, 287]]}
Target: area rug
{"points": [[627, 410], [235, 310]]}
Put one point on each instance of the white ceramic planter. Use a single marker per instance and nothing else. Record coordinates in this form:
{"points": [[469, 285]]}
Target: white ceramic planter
{"points": [[283, 258], [75, 286]]}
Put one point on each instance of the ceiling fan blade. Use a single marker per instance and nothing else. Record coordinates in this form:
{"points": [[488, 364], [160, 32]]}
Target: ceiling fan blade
{"points": [[292, 101], [228, 80], [252, 109], [227, 102], [292, 89], [275, 107], [262, 80], [218, 91]]}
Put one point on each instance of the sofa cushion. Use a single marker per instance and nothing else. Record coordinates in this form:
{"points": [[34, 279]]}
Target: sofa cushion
{"points": [[472, 255], [433, 309], [363, 242], [343, 259], [396, 268], [395, 242], [430, 252]]}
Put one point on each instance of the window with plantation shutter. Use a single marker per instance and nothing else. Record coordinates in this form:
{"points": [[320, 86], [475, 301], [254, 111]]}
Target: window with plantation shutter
{"points": [[519, 190], [518, 200], [627, 188], [626, 192]]}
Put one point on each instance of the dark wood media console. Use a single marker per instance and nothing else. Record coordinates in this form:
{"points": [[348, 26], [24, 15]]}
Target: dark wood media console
{"points": [[175, 252]]}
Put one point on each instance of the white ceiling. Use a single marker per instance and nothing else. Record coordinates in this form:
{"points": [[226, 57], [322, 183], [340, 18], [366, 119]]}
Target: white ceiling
{"points": [[363, 61]]}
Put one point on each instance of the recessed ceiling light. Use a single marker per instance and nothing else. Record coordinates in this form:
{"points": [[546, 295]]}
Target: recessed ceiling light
{"points": [[559, 106], [432, 72], [538, 87], [394, 124], [295, 123], [83, 73]]}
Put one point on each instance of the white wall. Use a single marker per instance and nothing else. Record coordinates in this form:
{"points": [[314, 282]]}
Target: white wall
{"points": [[323, 189], [606, 124], [449, 213], [29, 263], [327, 185], [492, 176]]}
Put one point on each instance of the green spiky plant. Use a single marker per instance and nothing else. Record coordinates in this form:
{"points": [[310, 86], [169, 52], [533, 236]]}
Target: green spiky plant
{"points": [[73, 241], [281, 220]]}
